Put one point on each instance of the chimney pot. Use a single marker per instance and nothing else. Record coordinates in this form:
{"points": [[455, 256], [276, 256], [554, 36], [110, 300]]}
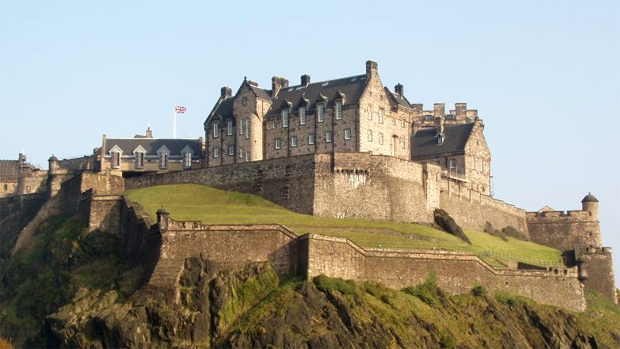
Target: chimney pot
{"points": [[399, 89], [305, 80]]}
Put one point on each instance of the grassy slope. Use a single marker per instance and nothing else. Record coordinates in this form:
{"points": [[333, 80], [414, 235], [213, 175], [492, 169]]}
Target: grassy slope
{"points": [[213, 206]]}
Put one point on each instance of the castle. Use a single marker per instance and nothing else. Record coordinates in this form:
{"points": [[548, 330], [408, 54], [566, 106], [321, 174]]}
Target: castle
{"points": [[342, 148]]}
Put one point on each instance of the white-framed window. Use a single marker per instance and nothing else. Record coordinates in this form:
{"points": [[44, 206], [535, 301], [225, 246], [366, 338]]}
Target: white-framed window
{"points": [[229, 128], [187, 159], [247, 128], [139, 156], [451, 163], [163, 160], [247, 156], [369, 136], [473, 163], [402, 123], [294, 141], [285, 117], [242, 126], [231, 150], [311, 139], [240, 153], [347, 133], [278, 143], [338, 110], [302, 115], [380, 138], [402, 143], [369, 113], [216, 152], [116, 159], [381, 115], [328, 137], [320, 115], [273, 125], [216, 130]]}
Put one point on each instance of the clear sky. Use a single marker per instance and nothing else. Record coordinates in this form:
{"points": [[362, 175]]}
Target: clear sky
{"points": [[544, 76]]}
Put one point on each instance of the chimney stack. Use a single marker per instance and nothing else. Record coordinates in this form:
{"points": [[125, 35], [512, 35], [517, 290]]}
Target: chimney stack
{"points": [[371, 68], [277, 83], [149, 133], [399, 89], [225, 92], [305, 80]]}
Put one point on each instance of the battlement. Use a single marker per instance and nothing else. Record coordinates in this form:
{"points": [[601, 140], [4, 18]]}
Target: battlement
{"points": [[459, 115], [577, 215]]}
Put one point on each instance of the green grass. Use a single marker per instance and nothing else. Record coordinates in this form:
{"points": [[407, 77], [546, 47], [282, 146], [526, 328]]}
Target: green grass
{"points": [[213, 206]]}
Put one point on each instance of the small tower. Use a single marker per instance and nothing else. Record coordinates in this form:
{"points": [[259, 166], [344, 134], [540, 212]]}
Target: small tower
{"points": [[53, 164], [163, 219], [590, 204]]}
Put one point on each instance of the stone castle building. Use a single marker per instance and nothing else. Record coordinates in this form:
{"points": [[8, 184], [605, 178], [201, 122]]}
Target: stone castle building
{"points": [[352, 114]]}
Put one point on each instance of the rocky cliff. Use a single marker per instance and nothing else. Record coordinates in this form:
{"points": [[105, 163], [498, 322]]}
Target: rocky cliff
{"points": [[71, 289]]}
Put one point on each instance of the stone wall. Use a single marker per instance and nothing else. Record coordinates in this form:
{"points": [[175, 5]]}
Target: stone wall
{"points": [[472, 209], [456, 272], [564, 230], [600, 271], [104, 213]]}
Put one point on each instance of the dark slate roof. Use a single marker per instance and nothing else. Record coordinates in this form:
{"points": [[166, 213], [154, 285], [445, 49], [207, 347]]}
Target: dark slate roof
{"points": [[352, 87], [224, 108], [260, 93], [9, 169], [589, 198], [152, 145], [424, 142], [401, 101]]}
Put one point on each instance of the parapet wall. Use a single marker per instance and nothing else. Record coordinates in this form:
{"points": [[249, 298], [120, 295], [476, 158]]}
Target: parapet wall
{"points": [[472, 209], [600, 271], [564, 230], [456, 272]]}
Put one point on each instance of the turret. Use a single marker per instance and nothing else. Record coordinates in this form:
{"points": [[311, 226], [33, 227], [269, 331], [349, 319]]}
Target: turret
{"points": [[590, 204], [53, 164], [163, 217]]}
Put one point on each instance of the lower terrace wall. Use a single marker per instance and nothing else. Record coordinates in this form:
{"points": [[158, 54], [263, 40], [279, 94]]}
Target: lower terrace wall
{"points": [[456, 272], [472, 209]]}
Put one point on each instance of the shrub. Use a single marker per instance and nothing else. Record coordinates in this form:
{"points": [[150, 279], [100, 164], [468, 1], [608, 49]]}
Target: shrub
{"points": [[479, 290], [426, 291], [505, 298], [325, 284], [447, 340]]}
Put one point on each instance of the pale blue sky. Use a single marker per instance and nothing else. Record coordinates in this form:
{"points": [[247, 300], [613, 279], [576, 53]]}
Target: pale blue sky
{"points": [[544, 76]]}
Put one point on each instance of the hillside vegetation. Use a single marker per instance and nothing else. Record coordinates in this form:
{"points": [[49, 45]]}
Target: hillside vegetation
{"points": [[212, 206]]}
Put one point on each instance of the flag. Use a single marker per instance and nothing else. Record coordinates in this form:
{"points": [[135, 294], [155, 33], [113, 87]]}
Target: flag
{"points": [[179, 110]]}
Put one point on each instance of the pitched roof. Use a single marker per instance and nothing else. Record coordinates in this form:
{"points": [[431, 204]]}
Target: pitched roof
{"points": [[224, 108], [9, 169], [402, 101], [152, 145], [424, 142], [260, 93], [352, 87]]}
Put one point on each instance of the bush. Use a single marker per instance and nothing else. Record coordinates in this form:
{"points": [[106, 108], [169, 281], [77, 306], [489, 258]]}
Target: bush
{"points": [[479, 290], [325, 284], [505, 298], [426, 291], [447, 340]]}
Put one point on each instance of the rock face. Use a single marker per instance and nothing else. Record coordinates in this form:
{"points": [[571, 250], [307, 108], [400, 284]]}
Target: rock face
{"points": [[447, 223], [252, 308]]}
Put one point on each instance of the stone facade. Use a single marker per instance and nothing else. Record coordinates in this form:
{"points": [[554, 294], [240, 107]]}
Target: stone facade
{"points": [[18, 177]]}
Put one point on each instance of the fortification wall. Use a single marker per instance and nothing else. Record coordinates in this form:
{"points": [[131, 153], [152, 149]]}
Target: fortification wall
{"points": [[15, 213], [456, 272], [81, 163], [287, 181], [564, 230], [35, 182], [600, 271], [472, 209], [361, 185]]}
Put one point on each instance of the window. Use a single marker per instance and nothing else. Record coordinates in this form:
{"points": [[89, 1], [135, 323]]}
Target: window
{"points": [[428, 117], [163, 160], [229, 128], [187, 160], [440, 139], [380, 138], [216, 152], [370, 135], [311, 138], [402, 123], [302, 115], [452, 163], [481, 165], [328, 137], [402, 143], [285, 118], [139, 159], [247, 128], [347, 133], [216, 130], [6, 187], [241, 128], [338, 110], [247, 156], [319, 112], [116, 159], [381, 115], [369, 113], [294, 141], [231, 150], [240, 153], [278, 143], [244, 100], [273, 125], [473, 163]]}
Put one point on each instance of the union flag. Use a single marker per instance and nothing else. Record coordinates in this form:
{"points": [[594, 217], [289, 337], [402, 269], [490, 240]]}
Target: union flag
{"points": [[179, 110]]}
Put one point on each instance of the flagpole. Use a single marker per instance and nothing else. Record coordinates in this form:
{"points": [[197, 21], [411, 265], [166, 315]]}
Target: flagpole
{"points": [[174, 127]]}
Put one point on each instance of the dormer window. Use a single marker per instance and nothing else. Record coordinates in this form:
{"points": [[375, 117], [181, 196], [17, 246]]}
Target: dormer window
{"points": [[338, 110], [138, 154], [285, 117], [115, 156], [320, 109], [163, 160]]}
